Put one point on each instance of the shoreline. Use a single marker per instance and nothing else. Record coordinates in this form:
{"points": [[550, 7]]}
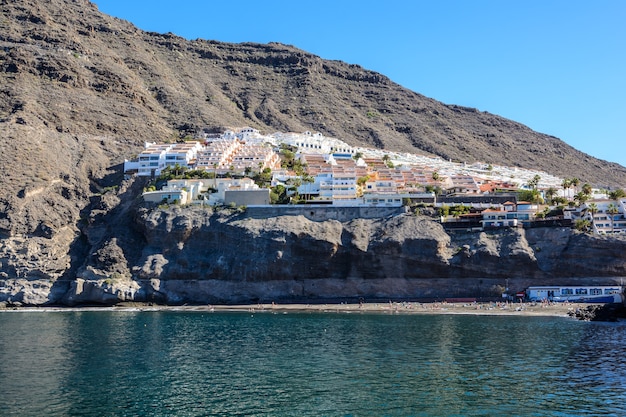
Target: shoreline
{"points": [[476, 309]]}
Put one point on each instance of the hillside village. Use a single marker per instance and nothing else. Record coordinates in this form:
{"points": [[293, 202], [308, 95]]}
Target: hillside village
{"points": [[243, 167]]}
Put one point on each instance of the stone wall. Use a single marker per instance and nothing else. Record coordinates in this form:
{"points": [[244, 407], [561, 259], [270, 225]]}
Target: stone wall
{"points": [[324, 212]]}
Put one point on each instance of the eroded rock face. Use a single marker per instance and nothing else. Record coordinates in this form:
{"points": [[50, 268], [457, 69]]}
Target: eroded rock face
{"points": [[216, 246], [197, 245], [82, 91], [198, 255]]}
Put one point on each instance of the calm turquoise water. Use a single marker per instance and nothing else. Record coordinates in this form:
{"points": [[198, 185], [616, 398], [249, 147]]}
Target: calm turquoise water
{"points": [[242, 364]]}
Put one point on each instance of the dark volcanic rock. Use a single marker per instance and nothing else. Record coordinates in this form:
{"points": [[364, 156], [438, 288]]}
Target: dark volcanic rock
{"points": [[596, 312], [80, 91], [198, 255], [200, 244]]}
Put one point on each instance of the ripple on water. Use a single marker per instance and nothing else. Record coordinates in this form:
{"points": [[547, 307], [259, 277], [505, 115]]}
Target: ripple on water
{"points": [[192, 364]]}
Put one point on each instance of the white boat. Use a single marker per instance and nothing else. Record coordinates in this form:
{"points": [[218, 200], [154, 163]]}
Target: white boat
{"points": [[576, 294]]}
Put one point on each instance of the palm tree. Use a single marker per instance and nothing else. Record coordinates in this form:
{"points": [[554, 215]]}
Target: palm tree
{"points": [[177, 169], [581, 197], [575, 183], [583, 225], [612, 210], [566, 184], [534, 182], [295, 183], [587, 189], [617, 194], [593, 209], [215, 175], [307, 179], [550, 194]]}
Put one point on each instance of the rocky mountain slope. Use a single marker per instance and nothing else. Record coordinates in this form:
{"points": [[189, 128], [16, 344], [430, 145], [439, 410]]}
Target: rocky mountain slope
{"points": [[80, 91]]}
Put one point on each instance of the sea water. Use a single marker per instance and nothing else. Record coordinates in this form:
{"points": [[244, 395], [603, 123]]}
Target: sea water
{"points": [[164, 363]]}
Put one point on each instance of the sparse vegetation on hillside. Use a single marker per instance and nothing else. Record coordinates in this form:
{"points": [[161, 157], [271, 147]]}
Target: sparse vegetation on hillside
{"points": [[82, 91]]}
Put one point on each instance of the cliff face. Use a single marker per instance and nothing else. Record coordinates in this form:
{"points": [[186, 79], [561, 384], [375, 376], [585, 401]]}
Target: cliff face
{"points": [[236, 246], [200, 256], [80, 91]]}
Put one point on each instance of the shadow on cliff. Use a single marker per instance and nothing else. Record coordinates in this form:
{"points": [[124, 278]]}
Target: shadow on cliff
{"points": [[109, 241]]}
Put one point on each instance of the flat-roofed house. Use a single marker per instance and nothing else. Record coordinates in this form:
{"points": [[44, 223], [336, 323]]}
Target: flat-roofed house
{"points": [[183, 154], [167, 195], [152, 159], [239, 191], [181, 191], [498, 218], [462, 185], [526, 210]]}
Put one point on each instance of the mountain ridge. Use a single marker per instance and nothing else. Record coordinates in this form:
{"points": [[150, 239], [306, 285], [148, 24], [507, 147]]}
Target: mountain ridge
{"points": [[81, 91], [157, 85]]}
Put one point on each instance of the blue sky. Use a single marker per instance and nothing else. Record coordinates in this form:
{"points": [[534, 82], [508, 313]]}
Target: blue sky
{"points": [[558, 67]]}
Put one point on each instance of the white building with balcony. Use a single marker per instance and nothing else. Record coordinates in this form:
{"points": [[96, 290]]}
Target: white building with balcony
{"points": [[183, 154], [218, 154], [498, 218], [156, 157], [336, 186], [152, 159], [607, 216]]}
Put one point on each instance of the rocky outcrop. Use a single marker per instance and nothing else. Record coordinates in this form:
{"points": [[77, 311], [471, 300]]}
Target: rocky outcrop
{"points": [[239, 246], [198, 245], [199, 255], [606, 312]]}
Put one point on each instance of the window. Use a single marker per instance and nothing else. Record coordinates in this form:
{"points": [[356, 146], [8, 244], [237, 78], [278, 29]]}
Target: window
{"points": [[611, 291], [581, 291], [566, 291], [595, 291]]}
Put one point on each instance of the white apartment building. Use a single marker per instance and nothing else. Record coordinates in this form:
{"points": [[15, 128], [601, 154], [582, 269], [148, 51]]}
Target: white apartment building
{"points": [[256, 157], [152, 159], [462, 184], [498, 218], [218, 155], [338, 186], [177, 191], [155, 157], [382, 186], [313, 143], [609, 216], [183, 154]]}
